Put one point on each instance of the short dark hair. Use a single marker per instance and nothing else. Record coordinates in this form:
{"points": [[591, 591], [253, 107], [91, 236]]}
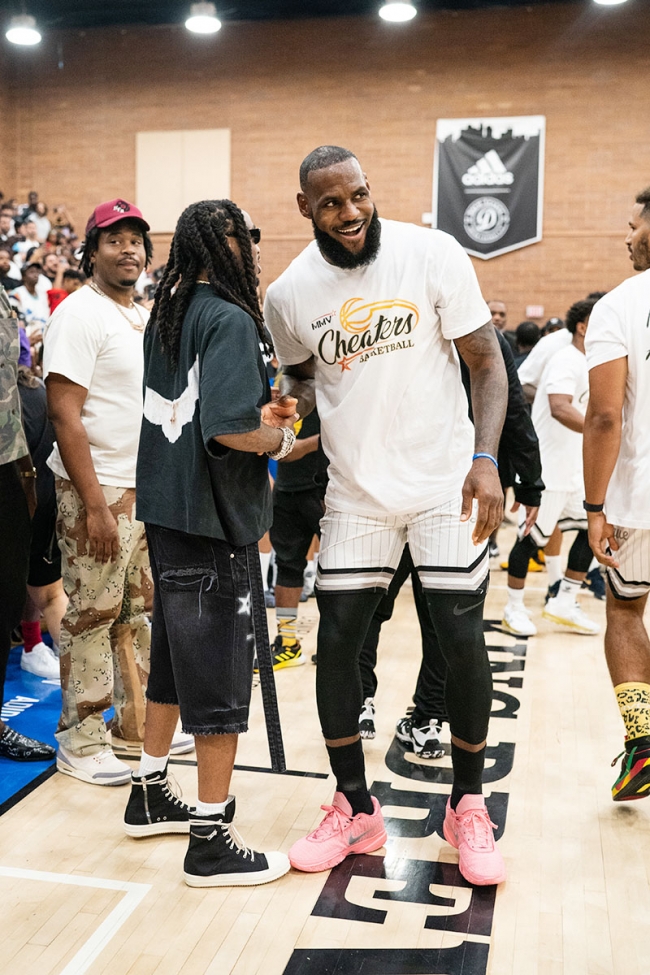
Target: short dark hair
{"points": [[644, 199], [579, 312], [322, 158], [74, 275], [596, 295], [91, 243], [25, 268], [527, 334], [7, 248]]}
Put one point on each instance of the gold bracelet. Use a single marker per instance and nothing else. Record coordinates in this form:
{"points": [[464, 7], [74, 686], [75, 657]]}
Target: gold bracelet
{"points": [[31, 473]]}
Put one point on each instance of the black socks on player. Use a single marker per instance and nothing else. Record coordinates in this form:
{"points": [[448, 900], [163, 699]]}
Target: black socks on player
{"points": [[468, 773], [349, 768]]}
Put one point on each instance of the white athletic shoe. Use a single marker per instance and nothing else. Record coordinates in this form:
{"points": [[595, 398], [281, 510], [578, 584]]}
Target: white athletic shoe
{"points": [[517, 621], [42, 662], [181, 744], [103, 768], [569, 614]]}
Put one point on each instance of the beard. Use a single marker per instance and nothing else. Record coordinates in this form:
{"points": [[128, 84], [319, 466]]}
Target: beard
{"points": [[641, 255], [338, 254]]}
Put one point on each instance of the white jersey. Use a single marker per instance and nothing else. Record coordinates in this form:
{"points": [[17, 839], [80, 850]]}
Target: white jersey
{"points": [[560, 448], [532, 368], [393, 409], [89, 341], [620, 326]]}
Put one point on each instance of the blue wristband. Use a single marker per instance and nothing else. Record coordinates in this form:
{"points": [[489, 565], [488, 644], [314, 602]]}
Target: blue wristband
{"points": [[487, 457]]}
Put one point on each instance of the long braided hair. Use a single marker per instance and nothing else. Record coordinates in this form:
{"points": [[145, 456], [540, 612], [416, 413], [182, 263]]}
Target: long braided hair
{"points": [[200, 244]]}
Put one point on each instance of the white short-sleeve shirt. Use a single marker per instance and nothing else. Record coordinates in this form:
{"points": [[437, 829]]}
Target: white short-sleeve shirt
{"points": [[619, 327], [532, 368], [89, 341], [560, 448], [393, 410]]}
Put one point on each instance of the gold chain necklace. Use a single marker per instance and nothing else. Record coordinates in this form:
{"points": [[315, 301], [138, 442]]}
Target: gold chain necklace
{"points": [[137, 326]]}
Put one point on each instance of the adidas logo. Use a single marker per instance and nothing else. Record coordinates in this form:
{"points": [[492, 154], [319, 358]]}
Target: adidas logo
{"points": [[488, 171]]}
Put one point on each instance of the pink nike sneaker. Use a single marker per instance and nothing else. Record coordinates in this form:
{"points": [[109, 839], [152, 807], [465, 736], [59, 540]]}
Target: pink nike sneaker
{"points": [[469, 830], [339, 835]]}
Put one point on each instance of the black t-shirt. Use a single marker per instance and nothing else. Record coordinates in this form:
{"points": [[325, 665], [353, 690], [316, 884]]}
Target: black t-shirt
{"points": [[311, 470], [185, 480]]}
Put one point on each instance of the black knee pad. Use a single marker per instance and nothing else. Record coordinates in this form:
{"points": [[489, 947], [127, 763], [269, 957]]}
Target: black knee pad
{"points": [[522, 552], [580, 555]]}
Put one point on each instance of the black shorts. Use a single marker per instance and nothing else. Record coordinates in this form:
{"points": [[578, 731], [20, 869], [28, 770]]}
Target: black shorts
{"points": [[44, 554], [202, 636], [296, 519]]}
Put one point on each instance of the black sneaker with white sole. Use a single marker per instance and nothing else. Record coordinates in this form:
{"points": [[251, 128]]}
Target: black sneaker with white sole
{"points": [[154, 808], [218, 857], [423, 738], [367, 719]]}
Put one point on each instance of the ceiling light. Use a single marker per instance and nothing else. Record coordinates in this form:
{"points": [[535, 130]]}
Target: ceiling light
{"points": [[203, 19], [609, 3], [22, 30], [397, 11]]}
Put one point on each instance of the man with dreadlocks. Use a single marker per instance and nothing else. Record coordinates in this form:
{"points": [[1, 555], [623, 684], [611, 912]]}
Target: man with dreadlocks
{"points": [[375, 313], [203, 492], [93, 365]]}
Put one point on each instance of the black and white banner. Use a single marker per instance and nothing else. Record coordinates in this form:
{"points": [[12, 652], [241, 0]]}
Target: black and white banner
{"points": [[488, 182]]}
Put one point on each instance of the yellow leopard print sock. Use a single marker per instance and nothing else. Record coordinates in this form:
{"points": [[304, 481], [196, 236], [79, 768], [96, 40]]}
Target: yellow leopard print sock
{"points": [[633, 701]]}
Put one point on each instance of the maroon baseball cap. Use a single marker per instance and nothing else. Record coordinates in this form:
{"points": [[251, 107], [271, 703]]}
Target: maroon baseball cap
{"points": [[108, 213]]}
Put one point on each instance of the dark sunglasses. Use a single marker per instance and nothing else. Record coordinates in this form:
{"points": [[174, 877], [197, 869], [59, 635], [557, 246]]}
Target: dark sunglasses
{"points": [[256, 234]]}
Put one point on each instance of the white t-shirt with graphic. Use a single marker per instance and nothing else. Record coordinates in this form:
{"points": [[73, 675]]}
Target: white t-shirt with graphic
{"points": [[620, 326], [89, 341], [559, 447], [393, 409]]}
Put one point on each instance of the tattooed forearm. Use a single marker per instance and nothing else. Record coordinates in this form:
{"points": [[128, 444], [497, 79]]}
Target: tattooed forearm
{"points": [[298, 381], [489, 386]]}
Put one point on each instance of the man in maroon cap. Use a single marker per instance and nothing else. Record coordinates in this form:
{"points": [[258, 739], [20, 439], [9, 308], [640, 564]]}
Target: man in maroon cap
{"points": [[93, 368]]}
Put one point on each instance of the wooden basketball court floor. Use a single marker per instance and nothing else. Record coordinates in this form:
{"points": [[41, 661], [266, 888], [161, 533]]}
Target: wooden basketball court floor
{"points": [[79, 896]]}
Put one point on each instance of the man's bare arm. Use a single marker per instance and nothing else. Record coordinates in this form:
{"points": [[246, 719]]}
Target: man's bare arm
{"points": [[529, 391], [489, 388], [298, 381], [565, 413], [601, 445], [65, 401]]}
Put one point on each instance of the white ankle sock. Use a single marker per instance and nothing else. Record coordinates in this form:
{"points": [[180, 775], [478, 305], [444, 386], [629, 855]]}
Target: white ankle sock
{"points": [[554, 568], [211, 808], [150, 763], [265, 560], [569, 589], [516, 597]]}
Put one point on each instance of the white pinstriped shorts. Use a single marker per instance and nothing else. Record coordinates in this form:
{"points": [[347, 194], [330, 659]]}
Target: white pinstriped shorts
{"points": [[632, 578], [561, 508], [360, 552]]}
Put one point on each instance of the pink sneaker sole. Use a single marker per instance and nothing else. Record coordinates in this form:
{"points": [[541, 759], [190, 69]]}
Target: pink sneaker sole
{"points": [[367, 845], [480, 880]]}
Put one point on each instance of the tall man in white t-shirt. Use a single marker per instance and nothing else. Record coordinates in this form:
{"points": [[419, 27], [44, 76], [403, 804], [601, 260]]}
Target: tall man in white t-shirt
{"points": [[93, 367], [373, 314], [617, 475], [558, 418]]}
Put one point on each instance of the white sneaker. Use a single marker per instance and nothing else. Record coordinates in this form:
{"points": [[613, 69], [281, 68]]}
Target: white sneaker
{"points": [[181, 743], [103, 768], [517, 621], [570, 614], [42, 662]]}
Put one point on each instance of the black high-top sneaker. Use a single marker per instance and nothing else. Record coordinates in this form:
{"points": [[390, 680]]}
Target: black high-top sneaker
{"points": [[217, 856], [154, 808]]}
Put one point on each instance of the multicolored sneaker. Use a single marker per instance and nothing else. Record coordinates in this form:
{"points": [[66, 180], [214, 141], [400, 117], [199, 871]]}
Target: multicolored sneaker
{"points": [[634, 778], [339, 835], [424, 738], [286, 654], [367, 719], [469, 830]]}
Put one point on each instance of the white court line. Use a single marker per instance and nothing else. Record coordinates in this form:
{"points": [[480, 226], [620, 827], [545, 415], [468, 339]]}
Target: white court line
{"points": [[86, 955]]}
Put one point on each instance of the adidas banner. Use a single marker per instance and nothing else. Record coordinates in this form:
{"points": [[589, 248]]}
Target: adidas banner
{"points": [[489, 181]]}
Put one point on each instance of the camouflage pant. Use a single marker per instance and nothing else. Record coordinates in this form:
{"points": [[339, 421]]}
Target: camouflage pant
{"points": [[105, 635]]}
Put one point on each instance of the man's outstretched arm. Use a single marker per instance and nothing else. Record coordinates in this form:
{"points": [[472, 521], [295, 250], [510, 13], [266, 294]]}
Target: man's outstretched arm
{"points": [[298, 381], [489, 388]]}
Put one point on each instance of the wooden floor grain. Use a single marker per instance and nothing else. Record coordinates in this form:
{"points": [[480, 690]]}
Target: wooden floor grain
{"points": [[577, 899]]}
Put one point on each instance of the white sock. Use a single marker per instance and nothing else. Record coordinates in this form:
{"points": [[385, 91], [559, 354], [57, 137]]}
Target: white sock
{"points": [[265, 561], [569, 589], [150, 763], [516, 597], [211, 808], [554, 568]]}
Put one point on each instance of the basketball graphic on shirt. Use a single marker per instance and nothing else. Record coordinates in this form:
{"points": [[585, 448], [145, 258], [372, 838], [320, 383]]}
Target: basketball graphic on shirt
{"points": [[357, 318], [172, 415]]}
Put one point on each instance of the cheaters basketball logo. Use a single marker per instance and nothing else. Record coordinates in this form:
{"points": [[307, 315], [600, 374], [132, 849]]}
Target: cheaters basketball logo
{"points": [[375, 328], [121, 206]]}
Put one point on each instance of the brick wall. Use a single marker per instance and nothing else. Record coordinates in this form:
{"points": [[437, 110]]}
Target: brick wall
{"points": [[283, 88]]}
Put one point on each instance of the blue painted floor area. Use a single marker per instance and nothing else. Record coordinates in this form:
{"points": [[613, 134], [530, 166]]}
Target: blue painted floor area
{"points": [[32, 707]]}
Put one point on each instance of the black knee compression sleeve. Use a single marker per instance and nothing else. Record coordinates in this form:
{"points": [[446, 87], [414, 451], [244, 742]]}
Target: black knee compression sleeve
{"points": [[458, 621], [522, 552], [344, 621], [580, 554]]}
